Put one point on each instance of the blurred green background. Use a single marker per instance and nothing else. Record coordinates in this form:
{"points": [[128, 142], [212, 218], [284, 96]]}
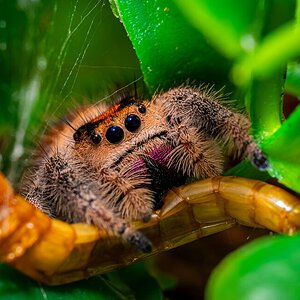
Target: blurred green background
{"points": [[56, 55]]}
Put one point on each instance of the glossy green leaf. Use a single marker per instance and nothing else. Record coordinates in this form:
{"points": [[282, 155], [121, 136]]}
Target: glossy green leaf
{"points": [[171, 51], [137, 278], [265, 269], [14, 285], [292, 85], [264, 102], [283, 149], [247, 170], [133, 283]]}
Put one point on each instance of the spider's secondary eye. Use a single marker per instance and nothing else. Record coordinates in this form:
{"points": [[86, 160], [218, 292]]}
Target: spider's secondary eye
{"points": [[132, 123], [96, 138], [76, 136], [142, 108], [114, 134]]}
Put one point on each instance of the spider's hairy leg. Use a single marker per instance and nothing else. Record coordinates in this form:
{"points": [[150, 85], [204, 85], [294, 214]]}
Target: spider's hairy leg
{"points": [[195, 154], [127, 190], [202, 108], [34, 190], [72, 194], [100, 215]]}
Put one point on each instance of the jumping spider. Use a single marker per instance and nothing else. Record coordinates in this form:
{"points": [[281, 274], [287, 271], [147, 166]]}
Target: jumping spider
{"points": [[116, 165]]}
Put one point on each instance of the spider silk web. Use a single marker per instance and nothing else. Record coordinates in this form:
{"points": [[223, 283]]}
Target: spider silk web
{"points": [[77, 56]]}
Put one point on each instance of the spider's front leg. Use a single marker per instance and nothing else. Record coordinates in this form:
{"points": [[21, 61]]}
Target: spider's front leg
{"points": [[201, 108], [72, 193], [127, 189]]}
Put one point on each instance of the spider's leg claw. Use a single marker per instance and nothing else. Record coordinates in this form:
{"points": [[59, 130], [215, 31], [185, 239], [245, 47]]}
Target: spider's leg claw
{"points": [[139, 240], [260, 161]]}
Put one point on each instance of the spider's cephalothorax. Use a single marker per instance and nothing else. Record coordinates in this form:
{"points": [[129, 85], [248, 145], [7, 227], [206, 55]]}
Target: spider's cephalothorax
{"points": [[116, 166]]}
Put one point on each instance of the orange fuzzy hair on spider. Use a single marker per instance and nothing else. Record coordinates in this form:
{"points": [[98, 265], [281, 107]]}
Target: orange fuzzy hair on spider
{"points": [[116, 166]]}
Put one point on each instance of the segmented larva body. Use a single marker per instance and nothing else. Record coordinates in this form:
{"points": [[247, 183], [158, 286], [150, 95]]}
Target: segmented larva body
{"points": [[54, 252]]}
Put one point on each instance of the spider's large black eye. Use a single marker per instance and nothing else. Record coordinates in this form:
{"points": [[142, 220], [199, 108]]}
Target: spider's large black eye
{"points": [[132, 123], [114, 134]]}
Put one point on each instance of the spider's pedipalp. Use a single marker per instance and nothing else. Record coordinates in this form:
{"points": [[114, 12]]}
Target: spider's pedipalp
{"points": [[195, 154], [137, 204], [127, 189]]}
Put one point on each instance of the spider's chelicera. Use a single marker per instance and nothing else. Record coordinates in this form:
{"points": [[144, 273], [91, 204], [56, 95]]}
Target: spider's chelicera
{"points": [[116, 166]]}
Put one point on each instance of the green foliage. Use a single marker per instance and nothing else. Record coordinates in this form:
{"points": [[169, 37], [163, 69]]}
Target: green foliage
{"points": [[54, 51], [246, 44], [268, 268], [169, 48], [130, 283]]}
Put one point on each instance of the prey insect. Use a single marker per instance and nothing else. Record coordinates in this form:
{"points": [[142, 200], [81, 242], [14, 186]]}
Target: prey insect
{"points": [[54, 252], [115, 166]]}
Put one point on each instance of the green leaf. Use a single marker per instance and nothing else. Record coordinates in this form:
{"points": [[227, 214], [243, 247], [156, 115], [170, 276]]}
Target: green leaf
{"points": [[283, 150], [138, 279], [133, 282], [268, 268], [171, 51], [292, 85], [229, 31], [14, 285], [247, 170], [271, 55], [264, 102]]}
